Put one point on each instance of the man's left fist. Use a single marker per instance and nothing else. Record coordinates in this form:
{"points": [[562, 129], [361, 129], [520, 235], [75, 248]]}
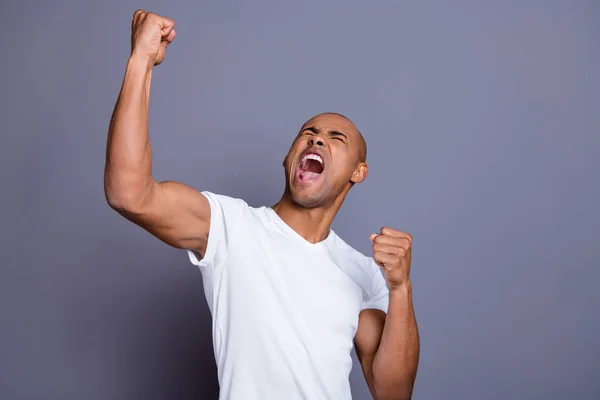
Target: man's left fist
{"points": [[392, 252]]}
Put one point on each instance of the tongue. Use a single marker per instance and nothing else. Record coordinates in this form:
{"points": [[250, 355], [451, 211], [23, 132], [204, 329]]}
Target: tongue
{"points": [[307, 175], [309, 170]]}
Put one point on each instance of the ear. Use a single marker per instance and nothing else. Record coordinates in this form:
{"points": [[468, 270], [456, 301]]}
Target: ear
{"points": [[360, 174]]}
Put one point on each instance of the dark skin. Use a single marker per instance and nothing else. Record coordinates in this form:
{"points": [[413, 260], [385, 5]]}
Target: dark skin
{"points": [[310, 209], [387, 345], [388, 357]]}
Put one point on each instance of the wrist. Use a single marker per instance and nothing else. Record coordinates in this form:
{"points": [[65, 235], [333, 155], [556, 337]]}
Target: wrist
{"points": [[403, 287], [140, 62], [138, 78]]}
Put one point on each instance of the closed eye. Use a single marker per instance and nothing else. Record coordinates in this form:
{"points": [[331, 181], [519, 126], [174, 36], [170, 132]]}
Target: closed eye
{"points": [[338, 135], [311, 131]]}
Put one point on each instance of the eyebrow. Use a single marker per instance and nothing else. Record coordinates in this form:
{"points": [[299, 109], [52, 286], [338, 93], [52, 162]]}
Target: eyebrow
{"points": [[332, 133]]}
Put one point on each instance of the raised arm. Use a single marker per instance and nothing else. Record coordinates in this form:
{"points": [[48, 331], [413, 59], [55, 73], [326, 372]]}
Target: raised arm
{"points": [[173, 212]]}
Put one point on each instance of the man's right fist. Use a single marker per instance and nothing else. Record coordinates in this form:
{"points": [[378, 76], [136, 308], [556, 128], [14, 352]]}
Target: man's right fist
{"points": [[150, 36]]}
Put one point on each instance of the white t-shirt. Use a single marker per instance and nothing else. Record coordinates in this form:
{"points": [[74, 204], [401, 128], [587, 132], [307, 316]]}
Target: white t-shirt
{"points": [[285, 311]]}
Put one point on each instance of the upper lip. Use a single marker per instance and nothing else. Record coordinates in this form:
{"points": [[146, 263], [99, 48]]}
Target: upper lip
{"points": [[313, 150]]}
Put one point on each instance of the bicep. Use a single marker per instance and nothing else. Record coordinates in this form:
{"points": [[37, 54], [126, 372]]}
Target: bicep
{"points": [[367, 339], [174, 213]]}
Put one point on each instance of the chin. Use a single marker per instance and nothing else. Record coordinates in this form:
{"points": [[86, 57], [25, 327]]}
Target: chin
{"points": [[307, 200]]}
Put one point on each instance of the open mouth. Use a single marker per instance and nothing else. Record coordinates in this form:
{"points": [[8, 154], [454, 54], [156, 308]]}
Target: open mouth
{"points": [[311, 166]]}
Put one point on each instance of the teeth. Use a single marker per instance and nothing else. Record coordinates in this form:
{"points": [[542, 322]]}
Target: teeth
{"points": [[312, 157]]}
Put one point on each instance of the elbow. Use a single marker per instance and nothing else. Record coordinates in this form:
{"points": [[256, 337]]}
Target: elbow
{"points": [[122, 202], [392, 395], [393, 390], [124, 197]]}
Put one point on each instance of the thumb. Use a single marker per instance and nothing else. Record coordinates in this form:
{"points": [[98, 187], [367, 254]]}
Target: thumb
{"points": [[166, 25], [373, 236], [166, 30]]}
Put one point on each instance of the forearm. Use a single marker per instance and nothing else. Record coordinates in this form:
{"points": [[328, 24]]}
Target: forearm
{"points": [[395, 363], [128, 169]]}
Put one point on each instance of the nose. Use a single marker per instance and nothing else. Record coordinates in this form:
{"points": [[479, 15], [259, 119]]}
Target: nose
{"points": [[316, 141]]}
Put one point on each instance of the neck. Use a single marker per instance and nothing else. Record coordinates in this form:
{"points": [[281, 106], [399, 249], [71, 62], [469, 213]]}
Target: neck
{"points": [[313, 224]]}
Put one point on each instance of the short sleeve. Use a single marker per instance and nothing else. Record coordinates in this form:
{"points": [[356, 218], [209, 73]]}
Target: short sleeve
{"points": [[225, 216], [378, 297]]}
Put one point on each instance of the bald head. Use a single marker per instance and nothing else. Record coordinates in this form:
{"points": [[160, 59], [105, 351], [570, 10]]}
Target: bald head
{"points": [[337, 153]]}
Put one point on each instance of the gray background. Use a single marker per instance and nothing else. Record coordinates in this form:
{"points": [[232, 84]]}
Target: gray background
{"points": [[483, 129]]}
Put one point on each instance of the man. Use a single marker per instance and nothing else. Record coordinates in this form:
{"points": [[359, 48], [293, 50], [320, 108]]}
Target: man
{"points": [[288, 297]]}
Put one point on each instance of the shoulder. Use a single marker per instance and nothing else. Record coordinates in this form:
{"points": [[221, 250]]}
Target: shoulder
{"points": [[223, 200], [228, 206], [360, 267], [369, 276], [228, 216], [352, 255], [234, 211]]}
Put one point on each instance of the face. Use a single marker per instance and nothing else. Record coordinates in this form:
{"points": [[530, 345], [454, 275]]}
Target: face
{"points": [[324, 161]]}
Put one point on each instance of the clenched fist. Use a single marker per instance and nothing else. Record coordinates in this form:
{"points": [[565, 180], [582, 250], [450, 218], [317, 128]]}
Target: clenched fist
{"points": [[392, 252], [150, 36]]}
